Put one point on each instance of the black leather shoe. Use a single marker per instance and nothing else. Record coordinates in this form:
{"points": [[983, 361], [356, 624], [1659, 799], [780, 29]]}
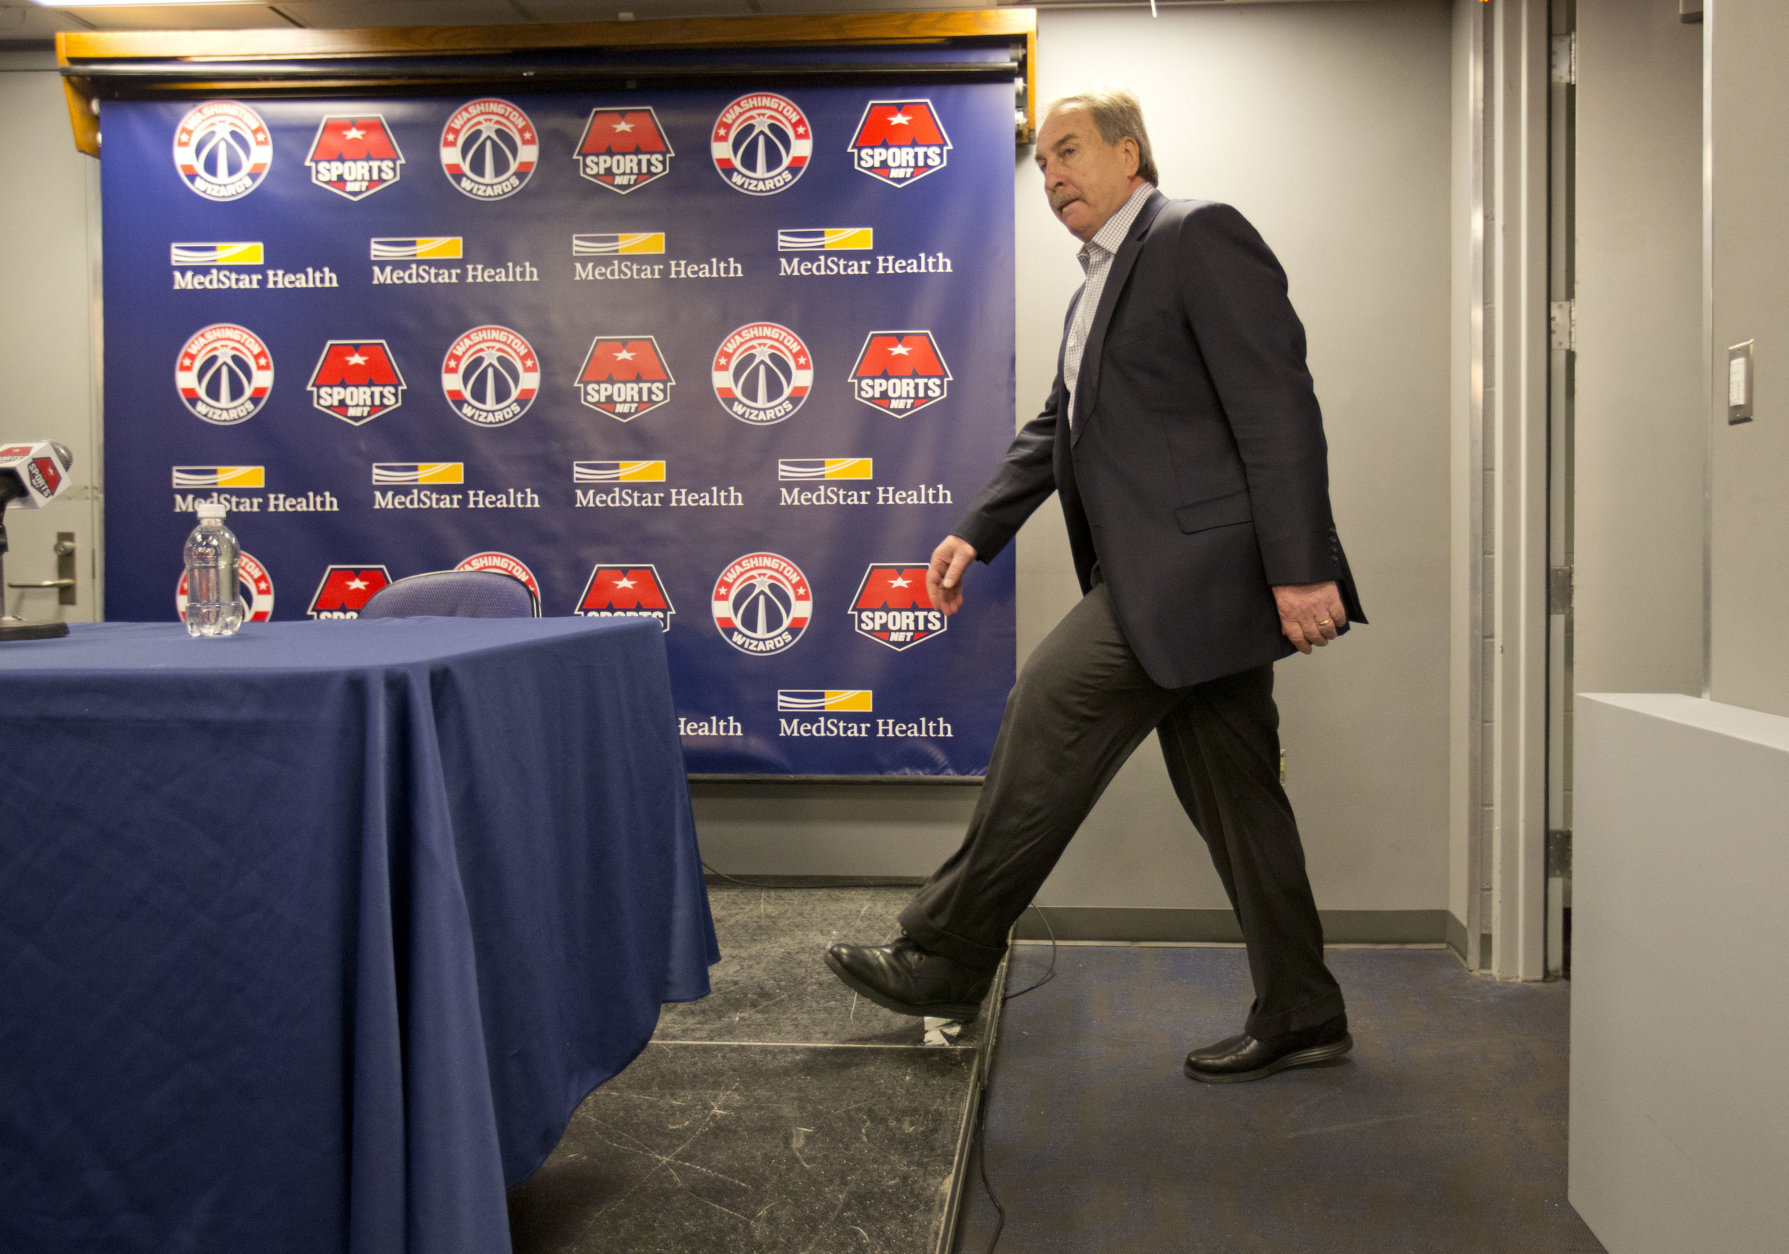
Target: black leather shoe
{"points": [[1240, 1058], [909, 980]]}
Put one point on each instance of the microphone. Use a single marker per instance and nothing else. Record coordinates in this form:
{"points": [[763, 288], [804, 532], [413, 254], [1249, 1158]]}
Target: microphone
{"points": [[31, 475]]}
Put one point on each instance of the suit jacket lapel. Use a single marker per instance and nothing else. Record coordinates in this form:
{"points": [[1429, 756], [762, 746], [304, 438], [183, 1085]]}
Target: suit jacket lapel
{"points": [[1087, 382]]}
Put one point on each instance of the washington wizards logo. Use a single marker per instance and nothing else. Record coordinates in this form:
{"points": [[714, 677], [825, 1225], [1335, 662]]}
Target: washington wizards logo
{"points": [[356, 380], [893, 608], [489, 149], [511, 566], [899, 142], [624, 376], [762, 603], [224, 374], [345, 590], [762, 373], [354, 156], [623, 149], [222, 150], [900, 372], [254, 586], [626, 590], [491, 376], [761, 144]]}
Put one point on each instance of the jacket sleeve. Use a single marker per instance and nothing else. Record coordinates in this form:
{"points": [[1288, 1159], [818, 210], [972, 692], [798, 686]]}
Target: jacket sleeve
{"points": [[1254, 348], [1024, 481]]}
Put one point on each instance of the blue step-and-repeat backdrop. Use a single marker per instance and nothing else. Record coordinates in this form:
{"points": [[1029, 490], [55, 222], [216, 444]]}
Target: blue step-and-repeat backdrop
{"points": [[733, 361]]}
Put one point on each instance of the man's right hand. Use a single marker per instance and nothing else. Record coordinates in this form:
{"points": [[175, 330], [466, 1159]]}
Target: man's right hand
{"points": [[944, 577]]}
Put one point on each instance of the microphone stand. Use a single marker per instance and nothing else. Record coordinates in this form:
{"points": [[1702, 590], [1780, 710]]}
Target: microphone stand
{"points": [[17, 628]]}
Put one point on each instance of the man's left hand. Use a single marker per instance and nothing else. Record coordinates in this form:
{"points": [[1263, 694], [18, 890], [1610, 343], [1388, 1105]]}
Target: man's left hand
{"points": [[1310, 613]]}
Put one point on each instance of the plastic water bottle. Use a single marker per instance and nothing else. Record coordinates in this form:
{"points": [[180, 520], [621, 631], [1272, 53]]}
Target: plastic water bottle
{"points": [[213, 607]]}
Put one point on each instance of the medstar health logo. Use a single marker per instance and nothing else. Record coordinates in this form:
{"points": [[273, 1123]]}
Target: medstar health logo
{"points": [[491, 376], [254, 586], [899, 142], [900, 372], [761, 144], [623, 149], [624, 376], [762, 373], [222, 150], [345, 590], [893, 608], [356, 380], [762, 603], [224, 374], [489, 149], [626, 591], [354, 156]]}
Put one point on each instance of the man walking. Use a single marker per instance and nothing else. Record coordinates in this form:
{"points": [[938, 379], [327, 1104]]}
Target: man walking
{"points": [[1184, 439]]}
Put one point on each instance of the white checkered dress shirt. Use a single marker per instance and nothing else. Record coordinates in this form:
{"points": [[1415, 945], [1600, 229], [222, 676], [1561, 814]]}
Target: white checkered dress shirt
{"points": [[1096, 260]]}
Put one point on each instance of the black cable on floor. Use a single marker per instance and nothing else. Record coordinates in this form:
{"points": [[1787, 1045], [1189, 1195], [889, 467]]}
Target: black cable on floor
{"points": [[980, 1139]]}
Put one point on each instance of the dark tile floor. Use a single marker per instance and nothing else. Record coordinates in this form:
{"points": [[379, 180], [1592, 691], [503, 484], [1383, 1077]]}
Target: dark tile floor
{"points": [[1444, 1130], [781, 1113]]}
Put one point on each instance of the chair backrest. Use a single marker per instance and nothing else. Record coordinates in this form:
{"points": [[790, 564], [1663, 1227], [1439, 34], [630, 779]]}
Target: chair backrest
{"points": [[454, 594]]}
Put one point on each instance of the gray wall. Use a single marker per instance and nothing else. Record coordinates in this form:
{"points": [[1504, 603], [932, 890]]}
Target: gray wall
{"points": [[48, 326], [1748, 136], [1640, 431]]}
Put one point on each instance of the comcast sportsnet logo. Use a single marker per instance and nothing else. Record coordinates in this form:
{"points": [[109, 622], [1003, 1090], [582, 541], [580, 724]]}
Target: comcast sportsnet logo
{"points": [[623, 149], [354, 156], [899, 142], [511, 566], [489, 149], [345, 590], [762, 373], [892, 607], [626, 591], [900, 372], [491, 376], [254, 586], [222, 150], [762, 603], [356, 380], [224, 374], [761, 144], [624, 376]]}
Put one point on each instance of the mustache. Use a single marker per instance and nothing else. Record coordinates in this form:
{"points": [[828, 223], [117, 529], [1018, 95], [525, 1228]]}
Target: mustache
{"points": [[1061, 200]]}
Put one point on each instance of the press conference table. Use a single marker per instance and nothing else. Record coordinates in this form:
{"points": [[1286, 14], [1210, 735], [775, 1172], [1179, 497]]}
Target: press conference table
{"points": [[312, 938]]}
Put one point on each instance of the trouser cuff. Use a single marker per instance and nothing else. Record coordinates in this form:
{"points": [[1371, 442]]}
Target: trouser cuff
{"points": [[1310, 1014], [959, 949]]}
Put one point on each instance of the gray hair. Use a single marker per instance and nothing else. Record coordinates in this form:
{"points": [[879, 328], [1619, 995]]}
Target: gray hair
{"points": [[1118, 116]]}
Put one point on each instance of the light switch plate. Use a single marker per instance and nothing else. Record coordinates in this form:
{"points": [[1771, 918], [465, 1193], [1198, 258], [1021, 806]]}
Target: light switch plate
{"points": [[1739, 383]]}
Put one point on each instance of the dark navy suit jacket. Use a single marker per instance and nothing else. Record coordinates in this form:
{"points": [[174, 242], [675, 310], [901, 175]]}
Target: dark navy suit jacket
{"points": [[1195, 472]]}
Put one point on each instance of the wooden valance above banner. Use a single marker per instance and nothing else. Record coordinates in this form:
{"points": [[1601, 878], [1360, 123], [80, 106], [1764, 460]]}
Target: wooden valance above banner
{"points": [[858, 48]]}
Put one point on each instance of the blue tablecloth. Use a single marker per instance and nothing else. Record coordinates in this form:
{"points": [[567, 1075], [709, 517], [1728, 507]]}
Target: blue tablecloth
{"points": [[313, 938]]}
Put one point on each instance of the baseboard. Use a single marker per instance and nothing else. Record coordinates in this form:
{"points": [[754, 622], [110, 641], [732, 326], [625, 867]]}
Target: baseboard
{"points": [[1456, 938], [1340, 927]]}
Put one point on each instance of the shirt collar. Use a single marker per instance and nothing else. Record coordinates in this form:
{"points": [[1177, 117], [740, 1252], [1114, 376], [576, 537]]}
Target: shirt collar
{"points": [[1111, 235]]}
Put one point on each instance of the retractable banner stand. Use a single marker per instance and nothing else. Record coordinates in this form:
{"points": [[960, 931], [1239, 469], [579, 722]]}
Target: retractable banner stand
{"points": [[732, 360]]}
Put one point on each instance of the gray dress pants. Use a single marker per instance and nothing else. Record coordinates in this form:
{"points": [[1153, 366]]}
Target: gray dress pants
{"points": [[1081, 705]]}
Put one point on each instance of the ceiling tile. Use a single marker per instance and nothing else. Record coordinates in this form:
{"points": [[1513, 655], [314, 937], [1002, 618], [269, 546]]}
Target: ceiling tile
{"points": [[180, 17]]}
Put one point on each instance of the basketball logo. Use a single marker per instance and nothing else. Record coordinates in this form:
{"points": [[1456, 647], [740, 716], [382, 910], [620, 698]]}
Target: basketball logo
{"points": [[761, 144], [254, 586], [489, 149], [762, 373], [224, 374], [222, 150], [762, 603], [490, 376]]}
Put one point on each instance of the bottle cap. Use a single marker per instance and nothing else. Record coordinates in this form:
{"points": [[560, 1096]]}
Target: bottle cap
{"points": [[211, 509]]}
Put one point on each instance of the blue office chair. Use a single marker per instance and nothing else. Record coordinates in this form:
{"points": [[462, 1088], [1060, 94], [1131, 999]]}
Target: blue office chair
{"points": [[454, 594]]}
